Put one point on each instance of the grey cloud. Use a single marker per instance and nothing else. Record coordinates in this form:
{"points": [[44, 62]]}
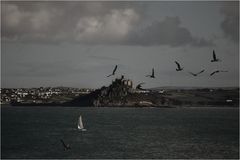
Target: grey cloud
{"points": [[230, 24], [166, 32], [90, 23], [68, 21]]}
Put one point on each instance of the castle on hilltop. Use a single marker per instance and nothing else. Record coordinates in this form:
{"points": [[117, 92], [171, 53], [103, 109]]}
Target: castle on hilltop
{"points": [[117, 91]]}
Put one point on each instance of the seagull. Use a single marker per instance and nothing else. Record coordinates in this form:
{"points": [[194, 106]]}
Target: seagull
{"points": [[151, 76], [214, 57], [113, 73], [195, 74], [179, 68], [217, 71], [66, 147], [139, 86]]}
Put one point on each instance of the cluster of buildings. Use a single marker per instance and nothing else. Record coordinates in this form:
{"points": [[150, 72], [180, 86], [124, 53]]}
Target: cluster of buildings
{"points": [[119, 87], [39, 95]]}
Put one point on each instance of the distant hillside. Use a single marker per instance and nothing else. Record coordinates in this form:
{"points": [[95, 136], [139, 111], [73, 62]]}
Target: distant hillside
{"points": [[190, 88]]}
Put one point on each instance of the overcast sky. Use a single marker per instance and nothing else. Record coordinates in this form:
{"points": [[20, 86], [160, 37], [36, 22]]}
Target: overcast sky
{"points": [[77, 44]]}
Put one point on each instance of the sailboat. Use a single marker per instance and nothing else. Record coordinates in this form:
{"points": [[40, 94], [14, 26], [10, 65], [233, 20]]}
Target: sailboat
{"points": [[80, 124]]}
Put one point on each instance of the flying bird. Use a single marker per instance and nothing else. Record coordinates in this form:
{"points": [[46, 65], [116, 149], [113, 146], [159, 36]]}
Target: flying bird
{"points": [[66, 146], [196, 74], [179, 68], [114, 70], [217, 71], [214, 57], [139, 86], [152, 75]]}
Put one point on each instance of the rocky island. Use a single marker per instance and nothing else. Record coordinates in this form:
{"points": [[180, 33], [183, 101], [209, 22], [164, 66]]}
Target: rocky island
{"points": [[121, 93]]}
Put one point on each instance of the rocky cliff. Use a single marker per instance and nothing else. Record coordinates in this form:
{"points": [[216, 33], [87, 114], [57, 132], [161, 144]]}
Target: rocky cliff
{"points": [[119, 93]]}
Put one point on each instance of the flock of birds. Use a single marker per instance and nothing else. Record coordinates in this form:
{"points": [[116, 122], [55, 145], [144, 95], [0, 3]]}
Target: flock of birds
{"points": [[179, 68], [215, 59], [152, 75]]}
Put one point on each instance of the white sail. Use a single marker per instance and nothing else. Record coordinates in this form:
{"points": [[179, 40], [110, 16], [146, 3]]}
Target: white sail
{"points": [[80, 124]]}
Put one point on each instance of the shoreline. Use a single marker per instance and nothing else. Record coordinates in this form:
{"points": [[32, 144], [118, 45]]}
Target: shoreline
{"points": [[159, 107]]}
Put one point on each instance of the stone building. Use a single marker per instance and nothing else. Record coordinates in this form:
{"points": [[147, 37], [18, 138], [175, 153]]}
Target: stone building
{"points": [[119, 89]]}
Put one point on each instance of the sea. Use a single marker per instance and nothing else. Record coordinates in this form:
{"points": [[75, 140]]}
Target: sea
{"points": [[120, 133]]}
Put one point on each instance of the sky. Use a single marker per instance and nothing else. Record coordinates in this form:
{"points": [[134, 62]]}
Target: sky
{"points": [[77, 43]]}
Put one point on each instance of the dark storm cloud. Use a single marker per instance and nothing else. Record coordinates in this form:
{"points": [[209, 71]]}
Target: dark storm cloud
{"points": [[166, 32], [230, 24], [91, 23]]}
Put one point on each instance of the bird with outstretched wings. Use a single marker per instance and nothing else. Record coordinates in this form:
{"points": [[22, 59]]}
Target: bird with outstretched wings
{"points": [[114, 70], [196, 74], [217, 71], [66, 146], [179, 68], [139, 86], [214, 57], [152, 75]]}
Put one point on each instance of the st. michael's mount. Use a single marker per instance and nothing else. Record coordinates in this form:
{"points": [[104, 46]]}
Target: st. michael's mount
{"points": [[120, 93]]}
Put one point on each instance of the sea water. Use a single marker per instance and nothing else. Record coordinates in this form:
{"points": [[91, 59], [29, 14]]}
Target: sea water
{"points": [[35, 132]]}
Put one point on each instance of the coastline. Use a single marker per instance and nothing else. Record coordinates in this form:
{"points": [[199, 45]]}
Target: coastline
{"points": [[112, 106]]}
